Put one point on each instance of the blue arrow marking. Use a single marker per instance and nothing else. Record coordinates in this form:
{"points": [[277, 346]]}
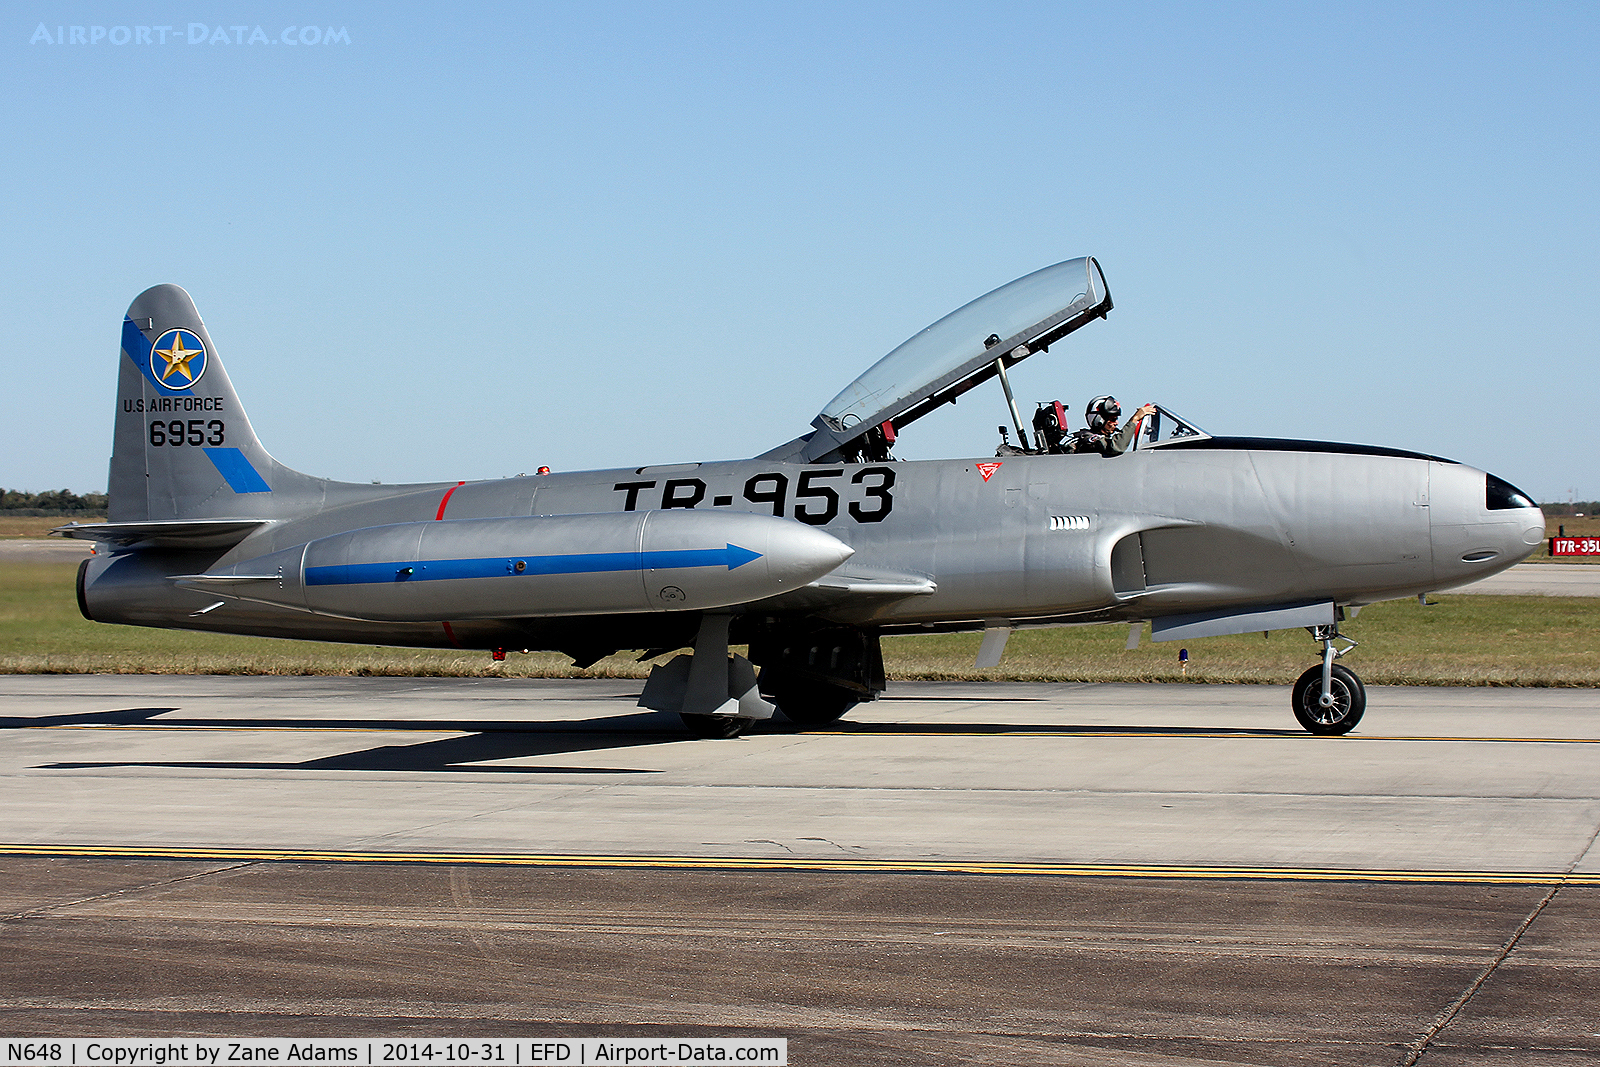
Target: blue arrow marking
{"points": [[435, 570]]}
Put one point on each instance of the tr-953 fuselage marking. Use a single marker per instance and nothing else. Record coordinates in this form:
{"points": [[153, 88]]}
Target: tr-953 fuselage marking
{"points": [[817, 498]]}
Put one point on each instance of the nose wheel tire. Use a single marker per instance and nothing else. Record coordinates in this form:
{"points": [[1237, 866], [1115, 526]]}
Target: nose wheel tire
{"points": [[1349, 701]]}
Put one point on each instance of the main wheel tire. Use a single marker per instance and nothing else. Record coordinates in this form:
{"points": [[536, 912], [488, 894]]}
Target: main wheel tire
{"points": [[805, 702], [715, 727], [1349, 701]]}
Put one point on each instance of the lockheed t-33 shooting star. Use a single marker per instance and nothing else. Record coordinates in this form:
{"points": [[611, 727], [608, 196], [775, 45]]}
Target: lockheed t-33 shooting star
{"points": [[809, 553]]}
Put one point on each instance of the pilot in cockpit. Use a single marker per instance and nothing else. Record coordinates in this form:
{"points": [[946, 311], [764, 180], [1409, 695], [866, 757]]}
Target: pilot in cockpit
{"points": [[1102, 435]]}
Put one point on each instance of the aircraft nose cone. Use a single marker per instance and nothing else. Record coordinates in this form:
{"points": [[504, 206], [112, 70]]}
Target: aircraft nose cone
{"points": [[1480, 523]]}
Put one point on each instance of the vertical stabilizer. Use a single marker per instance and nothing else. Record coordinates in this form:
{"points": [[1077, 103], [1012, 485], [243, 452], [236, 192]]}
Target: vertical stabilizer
{"points": [[183, 447]]}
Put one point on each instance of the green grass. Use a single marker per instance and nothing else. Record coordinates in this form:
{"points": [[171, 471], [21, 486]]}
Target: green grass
{"points": [[1463, 640], [1460, 640]]}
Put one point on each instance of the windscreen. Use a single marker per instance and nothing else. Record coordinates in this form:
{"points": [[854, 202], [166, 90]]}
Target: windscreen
{"points": [[953, 348]]}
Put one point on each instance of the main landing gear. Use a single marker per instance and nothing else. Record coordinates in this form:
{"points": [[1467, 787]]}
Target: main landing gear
{"points": [[807, 701], [1329, 699], [816, 674], [813, 674], [713, 691]]}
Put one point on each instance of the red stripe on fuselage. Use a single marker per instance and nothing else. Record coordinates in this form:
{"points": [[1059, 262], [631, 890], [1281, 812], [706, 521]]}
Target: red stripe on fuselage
{"points": [[446, 499], [449, 631]]}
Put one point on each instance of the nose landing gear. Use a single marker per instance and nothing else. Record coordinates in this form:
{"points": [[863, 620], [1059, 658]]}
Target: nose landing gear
{"points": [[1329, 699]]}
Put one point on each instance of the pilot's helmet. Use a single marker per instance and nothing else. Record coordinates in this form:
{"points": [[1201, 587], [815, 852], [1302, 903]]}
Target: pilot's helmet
{"points": [[1101, 411]]}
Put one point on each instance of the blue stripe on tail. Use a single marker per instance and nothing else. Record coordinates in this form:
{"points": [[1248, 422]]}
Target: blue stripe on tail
{"points": [[233, 466], [137, 346]]}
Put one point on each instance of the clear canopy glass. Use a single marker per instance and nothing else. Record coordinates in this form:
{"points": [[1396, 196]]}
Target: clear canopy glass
{"points": [[953, 348]]}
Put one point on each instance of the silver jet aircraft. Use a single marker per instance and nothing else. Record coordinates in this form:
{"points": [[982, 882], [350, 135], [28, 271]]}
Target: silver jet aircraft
{"points": [[808, 554]]}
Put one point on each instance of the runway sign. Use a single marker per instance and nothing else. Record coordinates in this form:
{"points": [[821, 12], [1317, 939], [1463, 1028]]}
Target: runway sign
{"points": [[1575, 546]]}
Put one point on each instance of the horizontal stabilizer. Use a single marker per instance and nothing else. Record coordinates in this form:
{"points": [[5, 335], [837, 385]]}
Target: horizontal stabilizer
{"points": [[199, 533]]}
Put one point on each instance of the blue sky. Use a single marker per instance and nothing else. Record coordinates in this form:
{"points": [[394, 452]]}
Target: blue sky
{"points": [[467, 243]]}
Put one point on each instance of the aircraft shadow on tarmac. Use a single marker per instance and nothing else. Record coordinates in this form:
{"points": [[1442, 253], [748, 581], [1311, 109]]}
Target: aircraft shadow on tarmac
{"points": [[937, 729], [480, 741], [486, 742]]}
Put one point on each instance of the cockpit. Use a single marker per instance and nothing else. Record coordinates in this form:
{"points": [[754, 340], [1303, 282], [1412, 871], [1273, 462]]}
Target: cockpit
{"points": [[1053, 436], [980, 341]]}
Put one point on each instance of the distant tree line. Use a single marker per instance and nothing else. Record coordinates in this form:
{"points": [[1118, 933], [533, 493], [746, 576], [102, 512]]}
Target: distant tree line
{"points": [[60, 502], [1581, 507]]}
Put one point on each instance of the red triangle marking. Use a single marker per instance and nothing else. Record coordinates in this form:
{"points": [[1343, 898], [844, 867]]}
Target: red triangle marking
{"points": [[987, 469]]}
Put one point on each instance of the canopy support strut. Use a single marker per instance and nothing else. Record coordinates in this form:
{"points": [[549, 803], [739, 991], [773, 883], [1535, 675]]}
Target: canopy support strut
{"points": [[1011, 401]]}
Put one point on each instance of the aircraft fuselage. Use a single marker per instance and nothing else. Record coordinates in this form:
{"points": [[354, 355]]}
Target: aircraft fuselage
{"points": [[1042, 539]]}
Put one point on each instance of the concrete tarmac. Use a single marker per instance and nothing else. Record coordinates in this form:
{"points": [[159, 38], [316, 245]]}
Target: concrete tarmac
{"points": [[852, 968], [961, 873], [1539, 579], [933, 773], [43, 550]]}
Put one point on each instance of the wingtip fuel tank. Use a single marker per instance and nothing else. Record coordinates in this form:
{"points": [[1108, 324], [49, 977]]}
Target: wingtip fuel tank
{"points": [[526, 566]]}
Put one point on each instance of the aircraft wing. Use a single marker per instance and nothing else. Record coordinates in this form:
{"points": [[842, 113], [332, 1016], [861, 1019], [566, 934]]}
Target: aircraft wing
{"points": [[896, 586], [850, 591]]}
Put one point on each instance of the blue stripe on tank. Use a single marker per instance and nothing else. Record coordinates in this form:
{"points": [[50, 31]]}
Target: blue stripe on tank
{"points": [[435, 570]]}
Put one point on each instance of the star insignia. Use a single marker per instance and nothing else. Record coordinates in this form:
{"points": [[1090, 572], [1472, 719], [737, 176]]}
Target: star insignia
{"points": [[178, 358]]}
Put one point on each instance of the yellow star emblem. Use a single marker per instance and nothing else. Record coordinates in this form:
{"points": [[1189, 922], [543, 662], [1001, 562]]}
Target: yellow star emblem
{"points": [[178, 358]]}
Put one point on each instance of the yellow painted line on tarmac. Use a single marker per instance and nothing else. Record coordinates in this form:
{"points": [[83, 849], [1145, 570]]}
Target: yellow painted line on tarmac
{"points": [[1179, 732], [1481, 740], [796, 863]]}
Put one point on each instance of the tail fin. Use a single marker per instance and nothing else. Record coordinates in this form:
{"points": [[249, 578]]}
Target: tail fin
{"points": [[183, 447]]}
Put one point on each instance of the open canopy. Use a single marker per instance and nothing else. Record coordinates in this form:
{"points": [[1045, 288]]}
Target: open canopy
{"points": [[961, 350]]}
